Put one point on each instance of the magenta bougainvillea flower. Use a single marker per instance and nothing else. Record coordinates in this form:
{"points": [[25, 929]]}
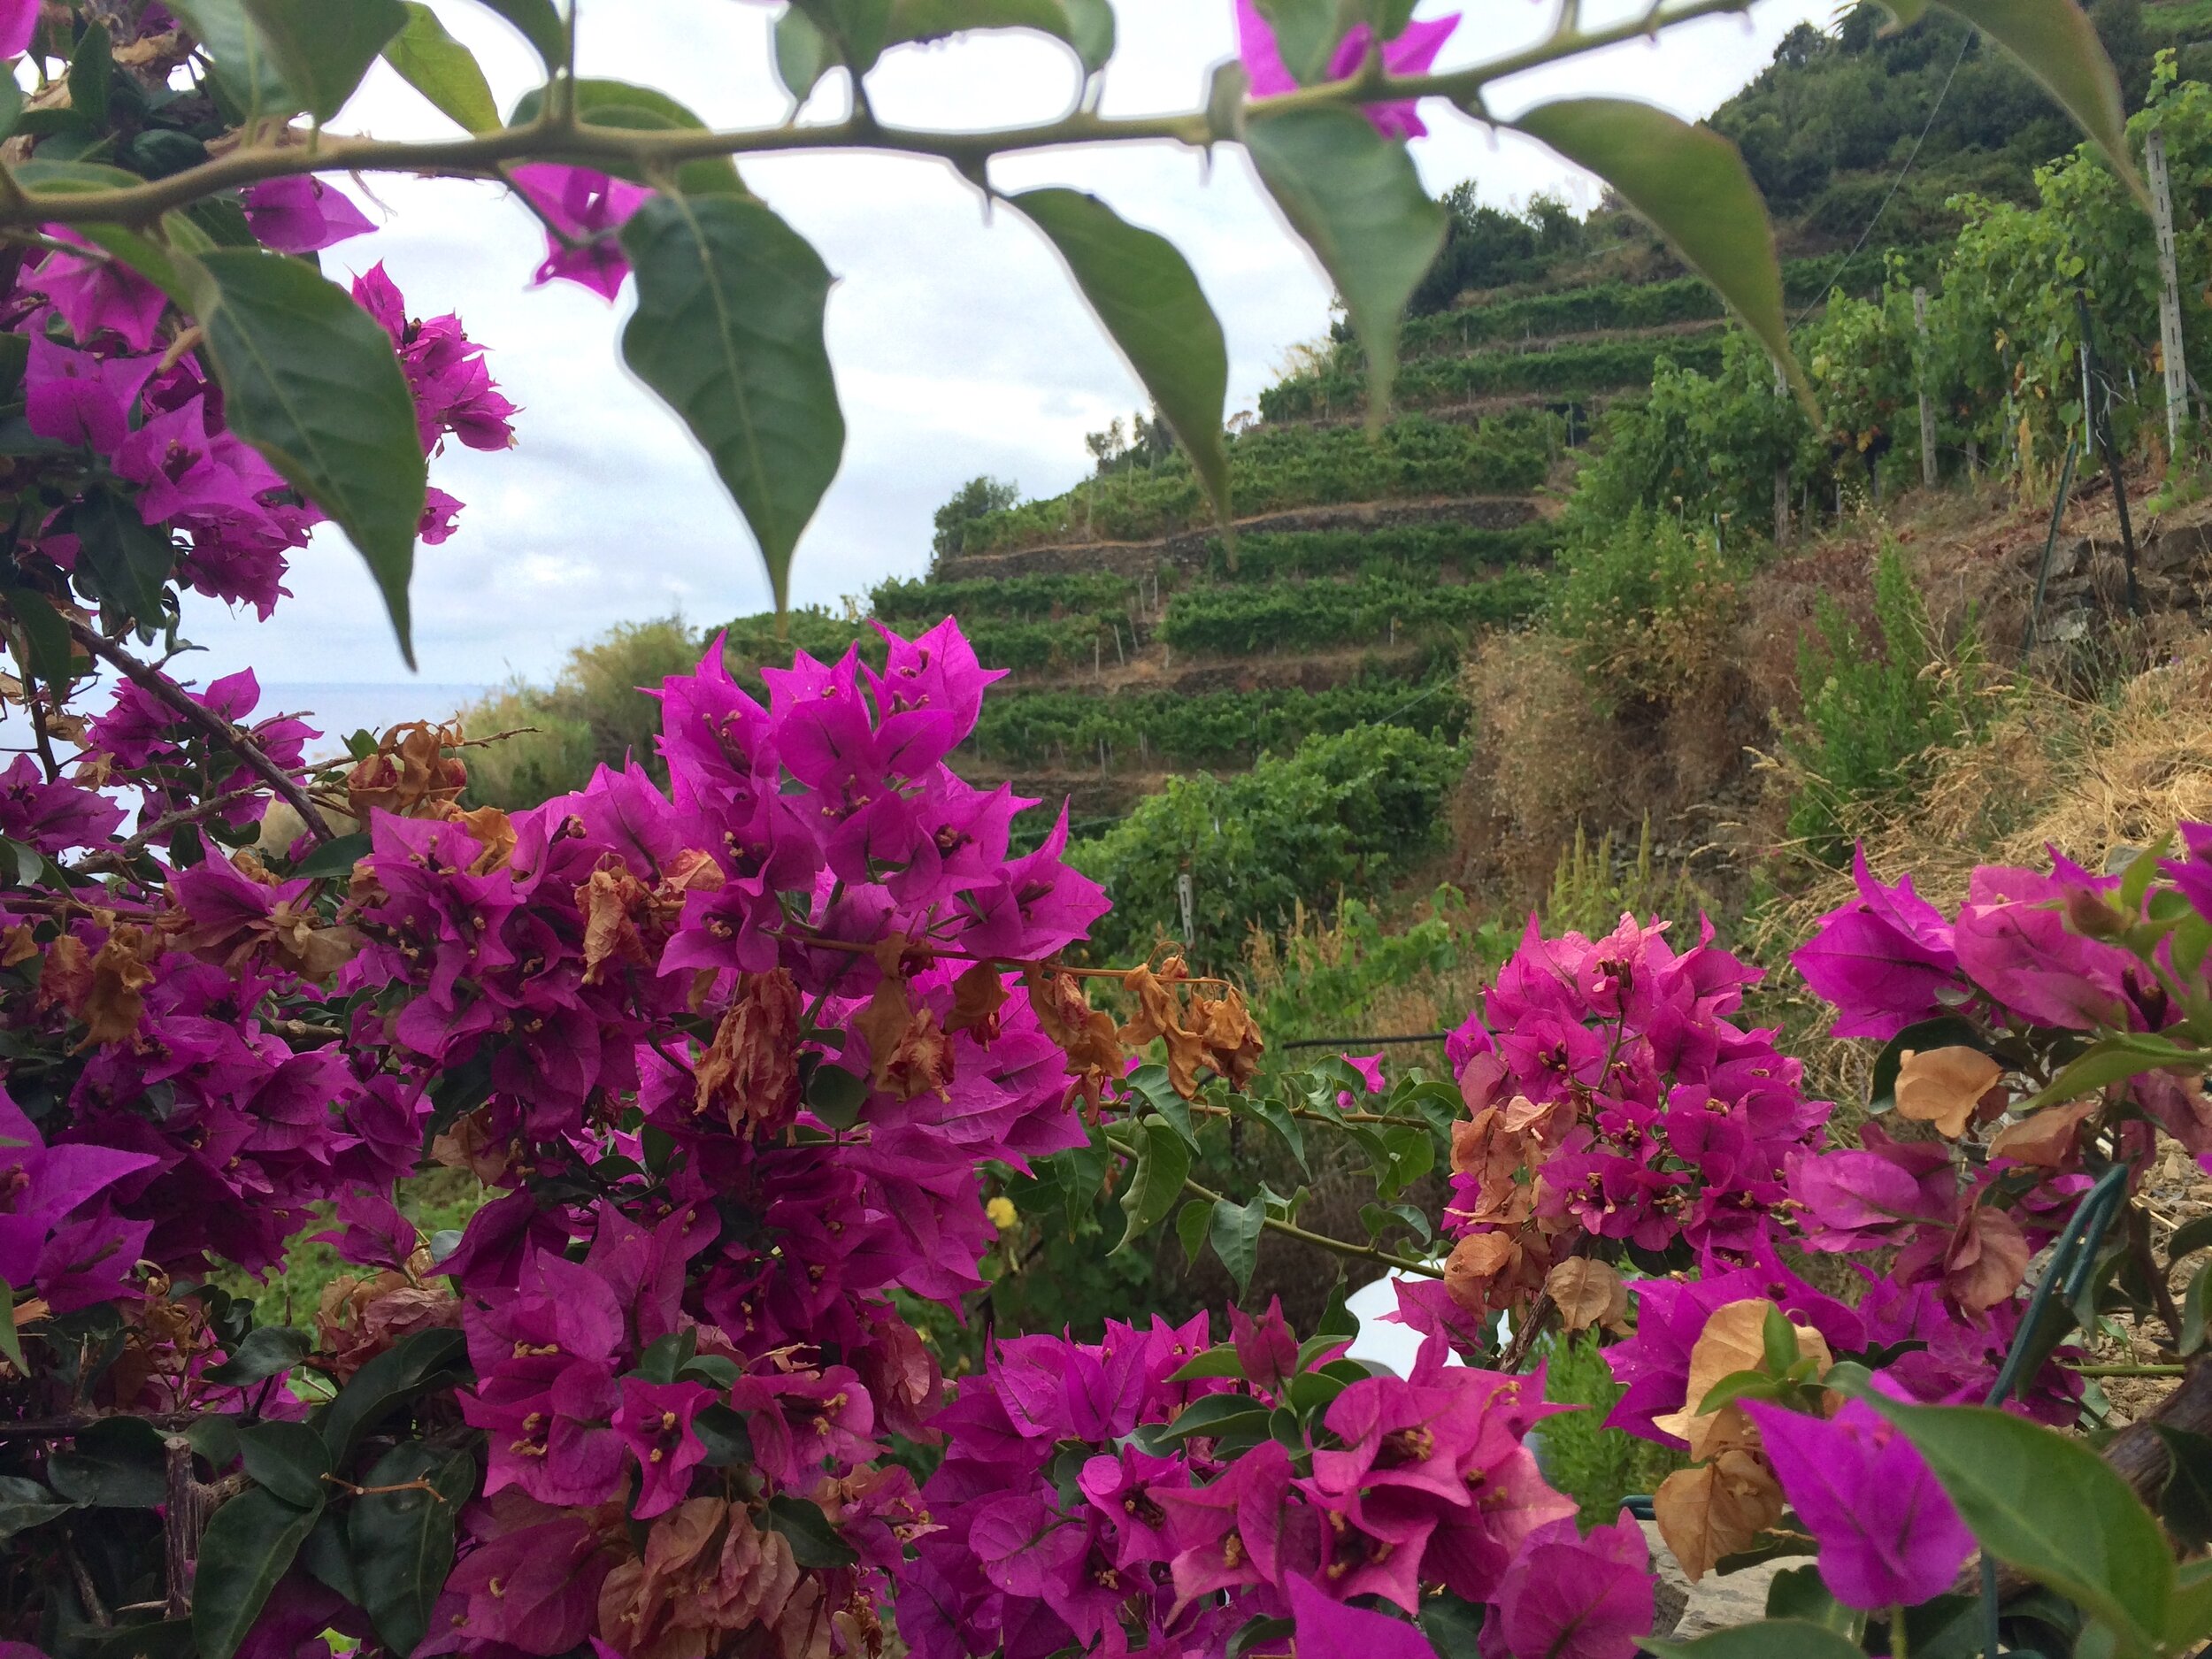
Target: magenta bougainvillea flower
{"points": [[1326, 1629], [1888, 1536], [1570, 1597], [1886, 960], [587, 208], [1412, 52], [302, 215]]}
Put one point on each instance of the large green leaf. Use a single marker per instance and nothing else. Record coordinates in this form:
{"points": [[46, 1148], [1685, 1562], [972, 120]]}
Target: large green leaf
{"points": [[1769, 1638], [116, 1464], [2048, 1506], [1307, 33], [541, 26], [1353, 197], [402, 1541], [2185, 1502], [245, 68], [289, 1458], [859, 29], [815, 1543], [1236, 1238], [1087, 26], [121, 560], [1149, 298], [1154, 1185], [729, 331], [390, 1379], [264, 1351], [323, 50], [92, 76], [803, 54], [310, 381], [1692, 184], [249, 1546], [25, 1504], [2054, 42], [443, 70]]}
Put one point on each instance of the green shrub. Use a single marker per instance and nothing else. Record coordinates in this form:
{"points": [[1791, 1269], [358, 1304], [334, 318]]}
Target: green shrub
{"points": [[1594, 1465], [923, 603], [1649, 606], [977, 498], [1348, 814], [594, 714], [1872, 713], [1568, 369]]}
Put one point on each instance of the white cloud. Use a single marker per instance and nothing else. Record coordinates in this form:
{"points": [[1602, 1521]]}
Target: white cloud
{"points": [[961, 347]]}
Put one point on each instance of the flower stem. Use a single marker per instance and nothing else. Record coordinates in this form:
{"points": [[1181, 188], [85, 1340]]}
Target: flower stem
{"points": [[2129, 1370]]}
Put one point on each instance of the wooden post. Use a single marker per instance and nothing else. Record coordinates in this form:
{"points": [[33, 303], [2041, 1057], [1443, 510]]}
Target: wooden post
{"points": [[1781, 476], [2170, 342], [1927, 409]]}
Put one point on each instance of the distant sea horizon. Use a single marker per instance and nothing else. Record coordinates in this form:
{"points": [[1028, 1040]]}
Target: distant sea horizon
{"points": [[337, 708]]}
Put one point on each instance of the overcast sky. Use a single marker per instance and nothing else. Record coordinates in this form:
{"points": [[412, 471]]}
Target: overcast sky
{"points": [[959, 346]]}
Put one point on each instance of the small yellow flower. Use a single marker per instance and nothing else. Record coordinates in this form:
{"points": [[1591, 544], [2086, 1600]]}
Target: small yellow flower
{"points": [[1001, 1211]]}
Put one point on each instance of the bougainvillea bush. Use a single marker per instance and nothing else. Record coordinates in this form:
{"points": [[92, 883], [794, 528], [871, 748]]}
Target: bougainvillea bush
{"points": [[766, 1071]]}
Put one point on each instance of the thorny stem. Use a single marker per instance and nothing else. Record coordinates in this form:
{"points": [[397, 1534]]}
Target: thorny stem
{"points": [[561, 139], [208, 723], [2129, 1370]]}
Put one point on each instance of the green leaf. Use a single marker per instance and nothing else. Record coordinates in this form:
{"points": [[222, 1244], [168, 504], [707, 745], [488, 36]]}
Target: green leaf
{"points": [[859, 29], [2189, 1237], [1272, 1111], [803, 54], [267, 1349], [1220, 1360], [245, 68], [1769, 1638], [1154, 1185], [1147, 297], [92, 76], [2185, 1502], [836, 1095], [1236, 1238], [165, 1638], [115, 1463], [336, 858], [2110, 1060], [728, 332], [408, 1367], [249, 1546], [325, 1556], [642, 109], [723, 1431], [1190, 1228], [1307, 33], [2193, 1302], [814, 1542], [1085, 26], [1355, 197], [25, 1504], [46, 636], [1214, 1415], [1799, 1592], [539, 24], [402, 1542], [122, 561], [1946, 1031], [1690, 183], [2053, 41], [1453, 1624], [443, 70], [289, 1458], [323, 50], [310, 381], [2048, 1506]]}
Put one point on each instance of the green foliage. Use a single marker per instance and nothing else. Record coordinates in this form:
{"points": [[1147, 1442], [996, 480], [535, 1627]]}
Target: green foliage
{"points": [[1418, 552], [923, 603], [1487, 247], [1872, 713], [977, 498], [1594, 1465], [1648, 607], [1346, 969], [1169, 729], [1309, 616], [595, 714], [1275, 469], [1594, 886], [1577, 367], [1346, 813]]}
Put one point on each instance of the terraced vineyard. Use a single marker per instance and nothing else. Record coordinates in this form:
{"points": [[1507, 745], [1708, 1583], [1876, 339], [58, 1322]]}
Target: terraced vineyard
{"points": [[1139, 647]]}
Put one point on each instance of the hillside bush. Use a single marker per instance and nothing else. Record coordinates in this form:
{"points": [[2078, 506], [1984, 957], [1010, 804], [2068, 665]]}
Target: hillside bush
{"points": [[977, 498], [1874, 708], [1350, 812], [924, 601], [1568, 367], [1650, 608]]}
